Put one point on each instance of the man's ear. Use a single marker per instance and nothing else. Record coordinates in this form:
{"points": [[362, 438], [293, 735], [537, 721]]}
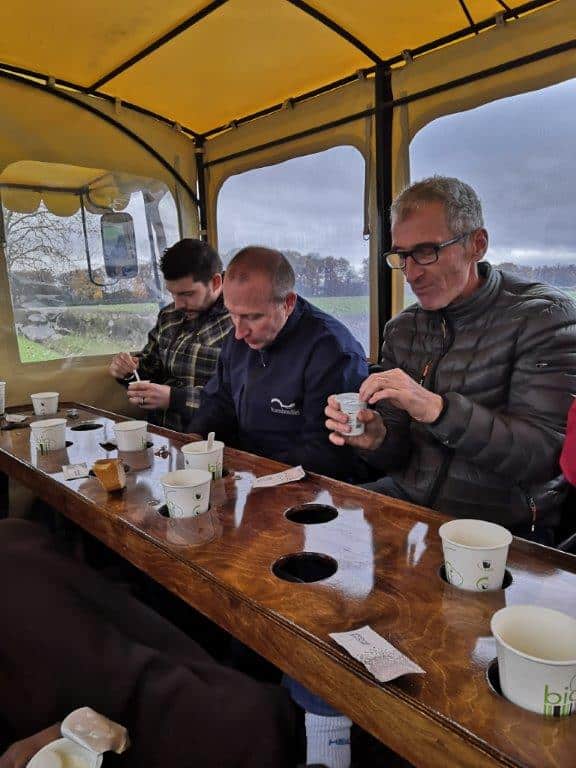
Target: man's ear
{"points": [[290, 302], [479, 240], [216, 281]]}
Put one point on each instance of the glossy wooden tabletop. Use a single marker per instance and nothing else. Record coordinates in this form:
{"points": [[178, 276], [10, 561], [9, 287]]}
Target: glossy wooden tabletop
{"points": [[387, 555]]}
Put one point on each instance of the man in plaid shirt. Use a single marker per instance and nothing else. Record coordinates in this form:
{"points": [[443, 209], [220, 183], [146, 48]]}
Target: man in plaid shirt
{"points": [[183, 347]]}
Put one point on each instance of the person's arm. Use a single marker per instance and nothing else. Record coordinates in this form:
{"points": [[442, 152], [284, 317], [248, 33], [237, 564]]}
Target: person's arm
{"points": [[522, 442], [329, 371], [21, 752]]}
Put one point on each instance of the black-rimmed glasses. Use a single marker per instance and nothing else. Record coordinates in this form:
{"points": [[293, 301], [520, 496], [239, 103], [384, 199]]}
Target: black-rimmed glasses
{"points": [[423, 253]]}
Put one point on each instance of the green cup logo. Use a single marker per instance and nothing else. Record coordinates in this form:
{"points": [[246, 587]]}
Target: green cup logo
{"points": [[560, 704]]}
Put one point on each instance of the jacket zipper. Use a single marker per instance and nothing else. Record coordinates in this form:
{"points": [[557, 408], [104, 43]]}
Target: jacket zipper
{"points": [[531, 506], [432, 367]]}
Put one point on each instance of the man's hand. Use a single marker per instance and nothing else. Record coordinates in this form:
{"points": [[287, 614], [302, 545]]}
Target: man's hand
{"points": [[337, 423], [150, 396], [18, 755], [403, 392], [122, 365]]}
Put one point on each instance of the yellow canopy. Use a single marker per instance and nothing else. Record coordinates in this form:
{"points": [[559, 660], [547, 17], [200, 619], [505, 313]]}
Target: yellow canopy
{"points": [[204, 64], [25, 184]]}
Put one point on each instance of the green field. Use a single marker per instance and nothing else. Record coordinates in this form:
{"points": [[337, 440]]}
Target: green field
{"points": [[352, 310]]}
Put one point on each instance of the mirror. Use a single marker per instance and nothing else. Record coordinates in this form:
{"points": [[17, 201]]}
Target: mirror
{"points": [[119, 245]]}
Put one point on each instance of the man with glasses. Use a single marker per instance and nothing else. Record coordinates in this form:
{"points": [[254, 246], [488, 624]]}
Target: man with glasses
{"points": [[468, 412]]}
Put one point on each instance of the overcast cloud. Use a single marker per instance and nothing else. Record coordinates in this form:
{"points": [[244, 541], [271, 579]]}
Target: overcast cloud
{"points": [[518, 153]]}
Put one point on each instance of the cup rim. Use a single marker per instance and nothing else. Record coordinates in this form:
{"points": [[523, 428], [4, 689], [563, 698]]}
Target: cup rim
{"points": [[218, 445], [45, 395], [129, 426], [47, 424], [537, 659], [203, 476], [445, 537]]}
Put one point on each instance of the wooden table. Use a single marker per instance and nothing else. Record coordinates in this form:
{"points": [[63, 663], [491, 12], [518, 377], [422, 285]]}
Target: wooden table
{"points": [[388, 556]]}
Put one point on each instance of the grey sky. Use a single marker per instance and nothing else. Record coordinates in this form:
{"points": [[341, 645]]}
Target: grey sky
{"points": [[518, 153]]}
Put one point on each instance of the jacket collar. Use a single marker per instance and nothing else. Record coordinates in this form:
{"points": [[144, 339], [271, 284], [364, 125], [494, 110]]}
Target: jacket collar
{"points": [[481, 299]]}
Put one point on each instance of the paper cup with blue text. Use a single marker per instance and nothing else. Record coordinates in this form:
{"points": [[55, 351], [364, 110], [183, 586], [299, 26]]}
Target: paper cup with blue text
{"points": [[48, 435], [537, 658], [45, 403], [475, 554], [187, 492], [197, 456]]}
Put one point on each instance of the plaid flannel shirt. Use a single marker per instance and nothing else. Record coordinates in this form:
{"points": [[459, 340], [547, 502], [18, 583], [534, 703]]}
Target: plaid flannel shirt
{"points": [[183, 354]]}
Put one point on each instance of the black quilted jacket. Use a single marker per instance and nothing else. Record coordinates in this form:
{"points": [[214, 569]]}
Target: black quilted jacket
{"points": [[505, 362]]}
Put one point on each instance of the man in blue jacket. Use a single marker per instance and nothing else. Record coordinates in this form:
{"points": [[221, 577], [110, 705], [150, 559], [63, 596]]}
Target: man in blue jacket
{"points": [[276, 371]]}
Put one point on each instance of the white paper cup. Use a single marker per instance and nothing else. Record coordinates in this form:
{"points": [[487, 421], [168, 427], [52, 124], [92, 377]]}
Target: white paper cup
{"points": [[475, 553], [49, 434], [350, 404], [131, 435], [2, 397], [66, 752], [537, 658], [197, 456], [45, 403], [187, 492]]}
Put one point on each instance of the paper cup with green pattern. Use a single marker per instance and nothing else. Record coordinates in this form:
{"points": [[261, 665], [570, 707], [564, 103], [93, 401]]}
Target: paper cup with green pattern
{"points": [[198, 456], [475, 554], [187, 492], [537, 658]]}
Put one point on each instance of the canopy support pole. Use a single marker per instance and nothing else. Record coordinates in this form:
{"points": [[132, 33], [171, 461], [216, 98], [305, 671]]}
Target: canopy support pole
{"points": [[384, 116], [201, 177]]}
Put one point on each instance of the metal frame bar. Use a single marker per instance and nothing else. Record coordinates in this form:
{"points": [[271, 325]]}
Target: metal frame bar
{"points": [[468, 16], [185, 25], [340, 31], [71, 99], [291, 137], [44, 79], [384, 118], [202, 201], [398, 59]]}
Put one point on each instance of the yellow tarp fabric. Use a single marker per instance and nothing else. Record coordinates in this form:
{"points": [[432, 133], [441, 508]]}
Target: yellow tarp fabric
{"points": [[243, 57]]}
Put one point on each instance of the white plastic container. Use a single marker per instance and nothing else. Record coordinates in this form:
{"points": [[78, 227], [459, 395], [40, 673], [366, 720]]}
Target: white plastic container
{"points": [[45, 403], [475, 553], [197, 456], [48, 434], [187, 492], [537, 658], [131, 435]]}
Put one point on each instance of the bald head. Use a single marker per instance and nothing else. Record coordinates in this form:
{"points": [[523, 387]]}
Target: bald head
{"points": [[259, 294], [255, 262]]}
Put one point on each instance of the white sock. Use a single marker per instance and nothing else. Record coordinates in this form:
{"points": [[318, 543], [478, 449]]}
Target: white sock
{"points": [[328, 740]]}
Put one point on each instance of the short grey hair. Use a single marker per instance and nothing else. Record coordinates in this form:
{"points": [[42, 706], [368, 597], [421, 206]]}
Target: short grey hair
{"points": [[267, 261], [461, 203]]}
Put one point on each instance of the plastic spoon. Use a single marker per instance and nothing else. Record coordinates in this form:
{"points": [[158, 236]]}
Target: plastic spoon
{"points": [[210, 444]]}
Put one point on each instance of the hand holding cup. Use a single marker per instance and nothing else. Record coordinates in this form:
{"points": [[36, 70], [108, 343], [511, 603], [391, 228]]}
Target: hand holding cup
{"points": [[338, 423]]}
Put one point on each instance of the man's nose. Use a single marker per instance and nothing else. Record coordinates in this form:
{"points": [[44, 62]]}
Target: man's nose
{"points": [[241, 329], [412, 270]]}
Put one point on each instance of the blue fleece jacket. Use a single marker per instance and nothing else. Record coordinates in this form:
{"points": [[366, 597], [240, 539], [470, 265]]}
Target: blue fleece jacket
{"points": [[271, 401]]}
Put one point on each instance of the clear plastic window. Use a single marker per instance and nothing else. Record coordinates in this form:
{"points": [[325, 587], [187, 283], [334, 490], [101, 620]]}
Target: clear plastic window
{"points": [[518, 154], [311, 209], [66, 301]]}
